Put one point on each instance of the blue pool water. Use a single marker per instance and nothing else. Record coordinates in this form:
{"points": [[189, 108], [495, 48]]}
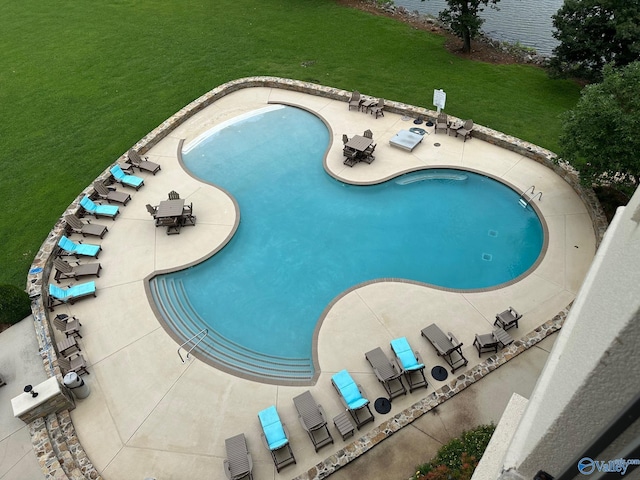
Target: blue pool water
{"points": [[304, 237]]}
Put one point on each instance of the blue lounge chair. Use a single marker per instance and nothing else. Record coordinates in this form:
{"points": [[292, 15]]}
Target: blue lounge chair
{"points": [[99, 210], [275, 437], [77, 249], [60, 296], [352, 396], [124, 179], [410, 362]]}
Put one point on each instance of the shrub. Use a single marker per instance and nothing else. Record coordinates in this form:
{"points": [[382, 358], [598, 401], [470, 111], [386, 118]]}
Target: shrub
{"points": [[457, 459], [14, 304]]}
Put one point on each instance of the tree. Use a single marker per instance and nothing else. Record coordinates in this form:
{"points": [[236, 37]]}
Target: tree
{"points": [[593, 33], [600, 135], [463, 18]]}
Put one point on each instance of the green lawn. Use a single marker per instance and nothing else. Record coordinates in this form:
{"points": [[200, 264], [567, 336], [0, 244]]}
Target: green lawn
{"points": [[80, 82]]}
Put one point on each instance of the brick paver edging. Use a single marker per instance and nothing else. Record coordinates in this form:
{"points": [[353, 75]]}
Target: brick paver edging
{"points": [[42, 263]]}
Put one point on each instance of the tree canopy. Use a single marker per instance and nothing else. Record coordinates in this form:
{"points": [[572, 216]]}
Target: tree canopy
{"points": [[600, 135], [593, 33], [463, 18]]}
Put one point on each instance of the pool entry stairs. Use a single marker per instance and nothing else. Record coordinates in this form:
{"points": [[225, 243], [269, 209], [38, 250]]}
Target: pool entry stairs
{"points": [[528, 195], [206, 343]]}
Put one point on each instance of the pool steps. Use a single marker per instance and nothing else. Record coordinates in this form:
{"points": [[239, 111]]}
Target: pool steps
{"points": [[178, 313]]}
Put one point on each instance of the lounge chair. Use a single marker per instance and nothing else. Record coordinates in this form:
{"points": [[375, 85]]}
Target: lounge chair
{"points": [[353, 397], [78, 226], [507, 319], [111, 194], [65, 270], [377, 110], [442, 123], [69, 326], [59, 296], [354, 101], [75, 364], [238, 463], [69, 247], [275, 438], [388, 372], [124, 179], [97, 210], [142, 163], [410, 362], [466, 130], [447, 346], [313, 420]]}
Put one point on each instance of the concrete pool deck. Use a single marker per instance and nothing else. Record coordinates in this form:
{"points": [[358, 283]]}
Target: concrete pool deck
{"points": [[149, 415]]}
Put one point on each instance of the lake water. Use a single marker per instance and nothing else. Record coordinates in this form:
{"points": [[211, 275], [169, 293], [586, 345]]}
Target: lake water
{"points": [[525, 21]]}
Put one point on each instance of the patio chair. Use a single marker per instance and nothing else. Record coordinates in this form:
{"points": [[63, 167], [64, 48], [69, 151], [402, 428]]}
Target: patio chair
{"points": [[124, 179], [275, 438], [442, 123], [65, 270], [367, 155], [466, 130], [97, 210], [345, 139], [238, 463], [351, 156], [377, 110], [485, 343], [152, 210], [354, 101], [188, 218], [353, 397], [60, 296], [75, 364], [368, 133], [69, 247], [447, 346], [173, 195], [313, 420], [507, 319], [69, 326], [410, 362], [388, 372], [78, 226], [142, 163], [111, 194]]}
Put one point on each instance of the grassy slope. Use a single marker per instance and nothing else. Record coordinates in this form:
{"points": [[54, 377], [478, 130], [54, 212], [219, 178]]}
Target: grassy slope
{"points": [[81, 82]]}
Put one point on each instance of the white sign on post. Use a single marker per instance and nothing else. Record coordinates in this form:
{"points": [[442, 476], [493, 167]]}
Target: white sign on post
{"points": [[439, 99]]}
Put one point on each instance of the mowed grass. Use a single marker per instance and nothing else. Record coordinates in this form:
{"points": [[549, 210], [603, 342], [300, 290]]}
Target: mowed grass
{"points": [[81, 82]]}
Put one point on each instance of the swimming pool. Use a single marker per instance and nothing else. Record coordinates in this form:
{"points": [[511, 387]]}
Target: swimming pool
{"points": [[304, 238]]}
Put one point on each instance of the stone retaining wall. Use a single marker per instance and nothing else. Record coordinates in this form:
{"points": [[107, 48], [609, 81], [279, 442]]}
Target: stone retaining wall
{"points": [[42, 264]]}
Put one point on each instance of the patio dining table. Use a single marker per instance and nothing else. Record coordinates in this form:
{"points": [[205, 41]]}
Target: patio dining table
{"points": [[359, 143], [170, 208]]}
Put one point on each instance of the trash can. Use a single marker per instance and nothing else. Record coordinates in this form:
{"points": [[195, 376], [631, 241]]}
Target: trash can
{"points": [[76, 385]]}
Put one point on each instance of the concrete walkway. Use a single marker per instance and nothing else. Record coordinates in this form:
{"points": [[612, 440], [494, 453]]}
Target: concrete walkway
{"points": [[20, 365], [149, 415]]}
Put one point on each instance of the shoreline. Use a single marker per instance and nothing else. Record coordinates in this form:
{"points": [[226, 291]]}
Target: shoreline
{"points": [[483, 48]]}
